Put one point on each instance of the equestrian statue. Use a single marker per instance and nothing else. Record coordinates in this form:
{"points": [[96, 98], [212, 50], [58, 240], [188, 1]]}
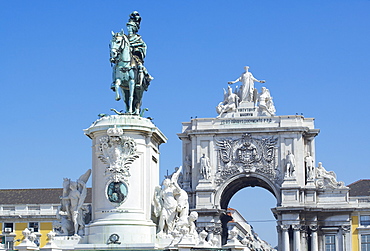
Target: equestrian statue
{"points": [[130, 77]]}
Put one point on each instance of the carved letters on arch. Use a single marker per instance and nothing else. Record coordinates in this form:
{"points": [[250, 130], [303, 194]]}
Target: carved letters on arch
{"points": [[247, 154]]}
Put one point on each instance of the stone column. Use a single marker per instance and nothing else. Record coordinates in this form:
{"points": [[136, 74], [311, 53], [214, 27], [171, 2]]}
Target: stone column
{"points": [[314, 241], [285, 235], [297, 237], [278, 230], [345, 237], [304, 244]]}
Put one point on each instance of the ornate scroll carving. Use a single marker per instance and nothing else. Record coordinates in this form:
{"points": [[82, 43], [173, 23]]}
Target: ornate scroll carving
{"points": [[118, 152], [247, 154]]}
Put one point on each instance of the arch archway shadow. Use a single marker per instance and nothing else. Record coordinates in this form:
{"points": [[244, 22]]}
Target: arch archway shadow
{"points": [[237, 183]]}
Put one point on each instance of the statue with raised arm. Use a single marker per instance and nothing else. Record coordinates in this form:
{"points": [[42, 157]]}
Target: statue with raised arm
{"points": [[127, 54], [171, 204], [72, 209], [247, 91]]}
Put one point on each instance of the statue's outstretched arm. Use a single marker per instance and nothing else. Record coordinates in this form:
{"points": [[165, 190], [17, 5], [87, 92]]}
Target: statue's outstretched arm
{"points": [[256, 80], [233, 82]]}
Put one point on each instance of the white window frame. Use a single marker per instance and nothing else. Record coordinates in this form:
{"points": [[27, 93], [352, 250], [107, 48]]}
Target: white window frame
{"points": [[363, 234], [331, 243]]}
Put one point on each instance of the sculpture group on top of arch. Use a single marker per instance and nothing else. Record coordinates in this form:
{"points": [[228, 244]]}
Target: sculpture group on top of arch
{"points": [[245, 100]]}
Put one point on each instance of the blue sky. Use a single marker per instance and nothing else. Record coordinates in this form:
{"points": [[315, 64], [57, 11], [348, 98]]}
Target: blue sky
{"points": [[55, 77]]}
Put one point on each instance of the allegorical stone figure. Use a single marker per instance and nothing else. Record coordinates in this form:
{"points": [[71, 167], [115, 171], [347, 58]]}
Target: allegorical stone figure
{"points": [[229, 104], [72, 211], [247, 89], [266, 105], [205, 167], [171, 205], [330, 176], [290, 164], [310, 167]]}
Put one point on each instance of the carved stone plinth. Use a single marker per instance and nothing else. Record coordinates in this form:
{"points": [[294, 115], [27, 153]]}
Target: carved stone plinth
{"points": [[124, 175]]}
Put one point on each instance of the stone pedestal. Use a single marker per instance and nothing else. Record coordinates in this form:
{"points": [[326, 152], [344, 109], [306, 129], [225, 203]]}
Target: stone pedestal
{"points": [[125, 172]]}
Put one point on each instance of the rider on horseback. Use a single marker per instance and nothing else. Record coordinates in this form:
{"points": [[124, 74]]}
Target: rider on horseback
{"points": [[138, 47], [130, 77]]}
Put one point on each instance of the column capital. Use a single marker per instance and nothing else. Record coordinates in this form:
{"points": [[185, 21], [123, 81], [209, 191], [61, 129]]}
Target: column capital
{"points": [[313, 227], [346, 228], [284, 227]]}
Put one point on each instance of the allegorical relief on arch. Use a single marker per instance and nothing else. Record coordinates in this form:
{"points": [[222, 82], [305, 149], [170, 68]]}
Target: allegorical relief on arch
{"points": [[247, 154]]}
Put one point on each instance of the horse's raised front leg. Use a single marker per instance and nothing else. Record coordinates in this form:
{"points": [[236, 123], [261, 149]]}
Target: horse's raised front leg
{"points": [[118, 89]]}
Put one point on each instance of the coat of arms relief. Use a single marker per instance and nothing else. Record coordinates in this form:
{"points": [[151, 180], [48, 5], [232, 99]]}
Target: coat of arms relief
{"points": [[245, 155], [117, 152]]}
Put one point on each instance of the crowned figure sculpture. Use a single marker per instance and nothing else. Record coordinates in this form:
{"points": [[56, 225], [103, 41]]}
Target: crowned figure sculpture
{"points": [[130, 77]]}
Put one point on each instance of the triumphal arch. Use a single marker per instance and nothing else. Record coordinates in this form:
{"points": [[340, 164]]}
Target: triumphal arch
{"points": [[248, 145]]}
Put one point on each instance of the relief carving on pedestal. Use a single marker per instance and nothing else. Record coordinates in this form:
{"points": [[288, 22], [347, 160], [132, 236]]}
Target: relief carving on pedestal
{"points": [[247, 154], [117, 152]]}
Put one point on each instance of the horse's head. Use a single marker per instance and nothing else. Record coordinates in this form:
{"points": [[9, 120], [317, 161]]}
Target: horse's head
{"points": [[116, 46]]}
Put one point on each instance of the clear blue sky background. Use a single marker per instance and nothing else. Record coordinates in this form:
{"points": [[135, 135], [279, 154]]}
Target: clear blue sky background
{"points": [[55, 78]]}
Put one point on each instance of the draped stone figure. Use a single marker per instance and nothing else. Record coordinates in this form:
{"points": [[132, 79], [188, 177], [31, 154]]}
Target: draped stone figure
{"points": [[72, 212], [246, 93], [171, 205], [229, 104], [310, 167], [290, 164], [205, 167]]}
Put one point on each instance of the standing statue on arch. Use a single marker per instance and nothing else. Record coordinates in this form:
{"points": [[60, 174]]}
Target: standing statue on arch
{"points": [[290, 165], [247, 91], [127, 54], [205, 167]]}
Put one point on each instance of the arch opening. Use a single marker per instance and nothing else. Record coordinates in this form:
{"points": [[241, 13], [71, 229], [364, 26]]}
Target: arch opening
{"points": [[241, 193], [240, 183]]}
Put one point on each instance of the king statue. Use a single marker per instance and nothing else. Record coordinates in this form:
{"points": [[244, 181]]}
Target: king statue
{"points": [[127, 54]]}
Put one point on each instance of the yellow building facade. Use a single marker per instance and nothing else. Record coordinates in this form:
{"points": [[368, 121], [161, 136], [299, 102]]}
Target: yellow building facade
{"points": [[34, 209]]}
